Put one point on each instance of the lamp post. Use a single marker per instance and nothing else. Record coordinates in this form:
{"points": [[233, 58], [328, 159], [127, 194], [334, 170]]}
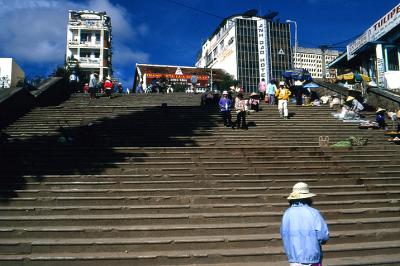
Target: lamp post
{"points": [[295, 38], [211, 78], [323, 50]]}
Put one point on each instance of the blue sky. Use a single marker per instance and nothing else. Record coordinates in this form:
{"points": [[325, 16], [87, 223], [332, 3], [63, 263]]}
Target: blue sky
{"points": [[164, 32]]}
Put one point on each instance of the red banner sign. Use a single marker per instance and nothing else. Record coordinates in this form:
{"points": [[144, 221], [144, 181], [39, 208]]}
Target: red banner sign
{"points": [[174, 76]]}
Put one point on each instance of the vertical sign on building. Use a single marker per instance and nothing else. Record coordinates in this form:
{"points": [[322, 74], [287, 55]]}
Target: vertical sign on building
{"points": [[380, 65], [262, 49]]}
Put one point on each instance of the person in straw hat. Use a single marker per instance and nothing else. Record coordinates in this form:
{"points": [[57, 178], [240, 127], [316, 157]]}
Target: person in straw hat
{"points": [[225, 105], [380, 117], [254, 101], [303, 229], [354, 105]]}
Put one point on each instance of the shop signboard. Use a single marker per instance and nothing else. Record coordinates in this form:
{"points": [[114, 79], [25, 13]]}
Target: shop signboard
{"points": [[262, 48], [357, 44], [380, 65], [376, 31], [202, 80], [174, 76]]}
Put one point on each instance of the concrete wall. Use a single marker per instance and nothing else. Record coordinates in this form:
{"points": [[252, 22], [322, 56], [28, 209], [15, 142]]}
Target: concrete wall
{"points": [[10, 69], [15, 102], [384, 99], [51, 92], [17, 74], [375, 98], [5, 72]]}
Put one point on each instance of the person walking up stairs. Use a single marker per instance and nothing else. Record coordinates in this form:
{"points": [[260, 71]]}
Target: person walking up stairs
{"points": [[283, 94]]}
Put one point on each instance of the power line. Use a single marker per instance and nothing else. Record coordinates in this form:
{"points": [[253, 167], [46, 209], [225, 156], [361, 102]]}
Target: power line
{"points": [[346, 41], [194, 9], [337, 45]]}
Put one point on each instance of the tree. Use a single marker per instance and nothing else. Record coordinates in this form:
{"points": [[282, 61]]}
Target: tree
{"points": [[60, 71], [179, 87], [5, 82], [226, 82], [66, 70]]}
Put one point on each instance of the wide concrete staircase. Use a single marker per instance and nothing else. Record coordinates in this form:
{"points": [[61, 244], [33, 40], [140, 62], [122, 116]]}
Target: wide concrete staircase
{"points": [[156, 186]]}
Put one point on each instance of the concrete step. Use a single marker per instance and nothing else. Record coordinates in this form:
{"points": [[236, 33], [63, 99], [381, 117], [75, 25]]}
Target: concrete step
{"points": [[388, 249], [123, 218], [198, 199], [43, 207], [63, 182], [216, 198], [201, 189], [337, 228], [115, 244]]}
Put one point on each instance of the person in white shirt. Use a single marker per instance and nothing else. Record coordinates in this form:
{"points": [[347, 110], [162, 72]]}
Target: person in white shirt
{"points": [[73, 81]]}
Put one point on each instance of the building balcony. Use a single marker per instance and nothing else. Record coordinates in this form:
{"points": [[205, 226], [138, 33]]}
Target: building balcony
{"points": [[84, 61], [85, 44], [91, 26], [96, 44], [73, 42]]}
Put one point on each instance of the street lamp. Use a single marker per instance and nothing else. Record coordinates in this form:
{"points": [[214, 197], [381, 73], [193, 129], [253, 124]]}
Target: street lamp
{"points": [[295, 37], [211, 78]]}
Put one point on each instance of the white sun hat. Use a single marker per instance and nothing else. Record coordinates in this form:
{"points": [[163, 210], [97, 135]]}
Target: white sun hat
{"points": [[224, 93], [380, 110], [300, 191]]}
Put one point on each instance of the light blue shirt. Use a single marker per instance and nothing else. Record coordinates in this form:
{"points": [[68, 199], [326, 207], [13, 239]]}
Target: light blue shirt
{"points": [[303, 230], [271, 88]]}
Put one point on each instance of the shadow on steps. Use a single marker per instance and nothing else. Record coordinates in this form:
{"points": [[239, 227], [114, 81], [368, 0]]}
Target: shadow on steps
{"points": [[92, 146]]}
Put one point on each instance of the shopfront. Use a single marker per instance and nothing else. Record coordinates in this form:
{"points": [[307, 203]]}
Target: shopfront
{"points": [[176, 76], [376, 52]]}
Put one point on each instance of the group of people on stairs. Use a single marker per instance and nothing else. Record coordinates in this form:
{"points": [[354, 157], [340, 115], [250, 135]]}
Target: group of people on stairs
{"points": [[241, 105]]}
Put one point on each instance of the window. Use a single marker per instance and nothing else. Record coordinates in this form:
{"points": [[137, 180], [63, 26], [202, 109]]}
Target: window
{"points": [[392, 58]]}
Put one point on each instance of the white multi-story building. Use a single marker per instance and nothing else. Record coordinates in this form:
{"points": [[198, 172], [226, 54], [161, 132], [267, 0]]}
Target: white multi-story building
{"points": [[10, 73], [312, 60], [249, 47], [89, 42]]}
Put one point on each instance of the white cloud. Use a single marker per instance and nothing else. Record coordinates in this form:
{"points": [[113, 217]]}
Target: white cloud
{"points": [[124, 55], [34, 31], [118, 14]]}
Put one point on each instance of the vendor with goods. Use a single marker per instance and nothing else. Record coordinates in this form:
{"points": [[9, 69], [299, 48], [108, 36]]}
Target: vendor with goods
{"points": [[354, 105], [380, 117], [254, 101]]}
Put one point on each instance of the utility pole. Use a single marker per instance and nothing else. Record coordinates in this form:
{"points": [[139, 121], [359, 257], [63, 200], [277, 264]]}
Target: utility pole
{"points": [[323, 49], [295, 39]]}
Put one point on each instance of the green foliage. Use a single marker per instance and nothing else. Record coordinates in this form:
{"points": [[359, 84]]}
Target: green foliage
{"points": [[179, 87], [60, 71], [226, 82], [65, 72]]}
